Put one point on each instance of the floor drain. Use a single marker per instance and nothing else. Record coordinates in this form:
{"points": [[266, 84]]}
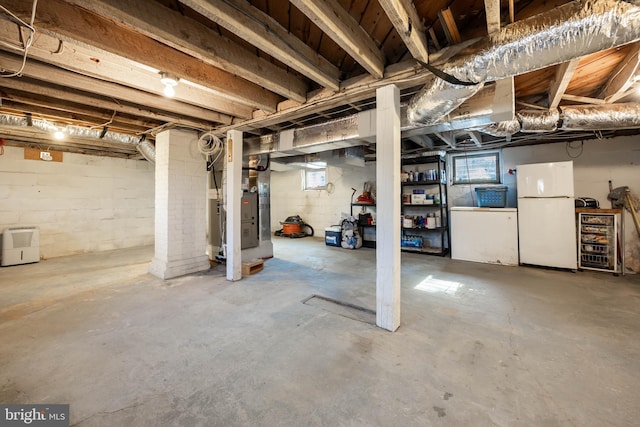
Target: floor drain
{"points": [[340, 308]]}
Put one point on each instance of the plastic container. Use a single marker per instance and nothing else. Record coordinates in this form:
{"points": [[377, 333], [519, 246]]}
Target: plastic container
{"points": [[333, 235], [491, 197]]}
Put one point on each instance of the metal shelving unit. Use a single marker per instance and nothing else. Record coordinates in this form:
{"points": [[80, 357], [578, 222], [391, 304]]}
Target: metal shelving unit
{"points": [[367, 231], [424, 236]]}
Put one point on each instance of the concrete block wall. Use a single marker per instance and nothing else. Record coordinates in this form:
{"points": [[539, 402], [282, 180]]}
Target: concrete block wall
{"points": [[180, 215], [319, 208], [82, 204]]}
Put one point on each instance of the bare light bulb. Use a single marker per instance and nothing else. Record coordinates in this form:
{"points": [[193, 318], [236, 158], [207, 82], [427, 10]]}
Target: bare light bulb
{"points": [[170, 82], [169, 91], [58, 134]]}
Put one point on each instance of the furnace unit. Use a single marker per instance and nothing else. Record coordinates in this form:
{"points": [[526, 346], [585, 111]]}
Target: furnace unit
{"points": [[249, 223]]}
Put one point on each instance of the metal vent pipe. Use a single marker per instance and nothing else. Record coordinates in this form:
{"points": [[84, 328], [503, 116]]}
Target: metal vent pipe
{"points": [[570, 31], [144, 147]]}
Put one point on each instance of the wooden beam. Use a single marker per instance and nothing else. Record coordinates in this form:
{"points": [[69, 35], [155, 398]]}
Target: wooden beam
{"points": [[408, 24], [106, 66], [343, 29], [55, 75], [449, 25], [71, 23], [583, 99], [434, 38], [476, 137], [170, 27], [622, 77], [512, 11], [492, 11], [532, 106], [264, 32], [559, 84], [448, 138], [423, 141], [53, 96], [404, 75]]}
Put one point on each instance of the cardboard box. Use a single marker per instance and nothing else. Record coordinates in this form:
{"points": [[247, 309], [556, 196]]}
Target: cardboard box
{"points": [[417, 199]]}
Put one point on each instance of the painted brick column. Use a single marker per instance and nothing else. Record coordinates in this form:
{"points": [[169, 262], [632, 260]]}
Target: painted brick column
{"points": [[180, 206]]}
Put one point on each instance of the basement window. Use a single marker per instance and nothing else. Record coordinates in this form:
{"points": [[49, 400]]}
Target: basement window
{"points": [[314, 176], [483, 168]]}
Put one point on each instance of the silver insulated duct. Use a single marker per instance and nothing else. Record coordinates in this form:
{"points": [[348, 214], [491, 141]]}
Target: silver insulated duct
{"points": [[533, 121], [567, 32], [148, 151], [144, 147], [600, 117], [500, 129], [571, 118]]}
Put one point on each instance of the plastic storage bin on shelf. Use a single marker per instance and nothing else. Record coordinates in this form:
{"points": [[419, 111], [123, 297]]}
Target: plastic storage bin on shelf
{"points": [[491, 197]]}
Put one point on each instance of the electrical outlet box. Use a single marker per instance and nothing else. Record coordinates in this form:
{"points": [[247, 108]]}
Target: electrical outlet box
{"points": [[46, 156]]}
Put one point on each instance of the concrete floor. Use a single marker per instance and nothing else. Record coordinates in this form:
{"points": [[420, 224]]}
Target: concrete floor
{"points": [[479, 345]]}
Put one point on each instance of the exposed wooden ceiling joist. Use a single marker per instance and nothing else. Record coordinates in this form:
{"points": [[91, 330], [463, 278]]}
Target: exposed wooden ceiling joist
{"points": [[408, 24], [68, 22], [170, 27], [448, 137], [476, 137], [264, 32], [423, 141], [583, 99], [434, 38], [622, 77], [336, 22], [559, 84], [405, 74], [51, 74], [54, 96], [105, 66], [250, 78], [492, 10], [449, 25]]}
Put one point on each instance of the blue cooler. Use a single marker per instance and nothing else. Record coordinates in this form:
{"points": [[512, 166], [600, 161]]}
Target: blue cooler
{"points": [[333, 235]]}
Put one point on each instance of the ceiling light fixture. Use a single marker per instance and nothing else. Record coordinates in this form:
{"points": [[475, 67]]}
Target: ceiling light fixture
{"points": [[58, 134], [170, 82]]}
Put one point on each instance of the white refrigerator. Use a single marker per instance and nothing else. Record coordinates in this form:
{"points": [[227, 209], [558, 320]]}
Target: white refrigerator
{"points": [[546, 215]]}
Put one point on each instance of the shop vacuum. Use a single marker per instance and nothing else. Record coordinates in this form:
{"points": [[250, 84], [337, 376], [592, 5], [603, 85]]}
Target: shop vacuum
{"points": [[294, 227]]}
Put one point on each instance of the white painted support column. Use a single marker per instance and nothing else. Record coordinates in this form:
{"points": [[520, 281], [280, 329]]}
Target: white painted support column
{"points": [[388, 207], [180, 206], [234, 200]]}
